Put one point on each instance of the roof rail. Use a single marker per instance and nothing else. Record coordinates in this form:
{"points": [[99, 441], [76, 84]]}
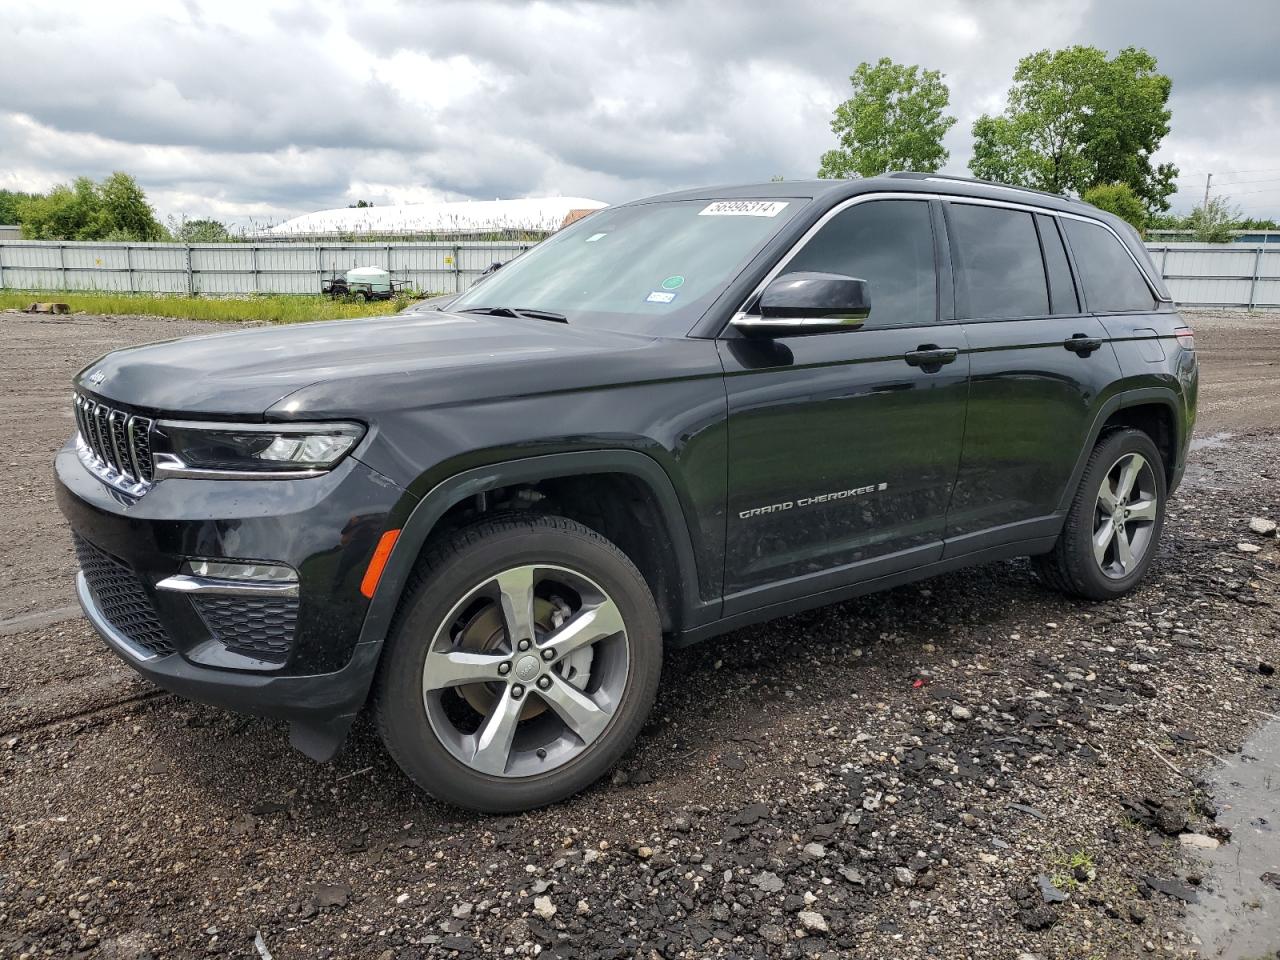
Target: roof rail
{"points": [[946, 177]]}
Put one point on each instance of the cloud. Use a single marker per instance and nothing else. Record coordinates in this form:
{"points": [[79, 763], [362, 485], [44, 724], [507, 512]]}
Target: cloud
{"points": [[262, 110]]}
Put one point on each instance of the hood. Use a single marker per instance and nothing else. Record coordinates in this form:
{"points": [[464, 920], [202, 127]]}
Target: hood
{"points": [[246, 372]]}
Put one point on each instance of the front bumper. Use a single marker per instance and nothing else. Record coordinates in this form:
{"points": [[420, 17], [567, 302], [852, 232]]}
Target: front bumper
{"points": [[325, 528]]}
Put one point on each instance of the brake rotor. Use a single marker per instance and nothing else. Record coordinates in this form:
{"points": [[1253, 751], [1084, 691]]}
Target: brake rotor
{"points": [[484, 633]]}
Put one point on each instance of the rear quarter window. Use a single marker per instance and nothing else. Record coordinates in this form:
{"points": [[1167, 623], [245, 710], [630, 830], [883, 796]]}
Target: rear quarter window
{"points": [[1112, 281]]}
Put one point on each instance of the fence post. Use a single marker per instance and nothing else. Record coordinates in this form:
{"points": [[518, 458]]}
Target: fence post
{"points": [[1253, 281], [191, 288], [128, 264], [62, 264], [457, 270], [253, 252], [1164, 258]]}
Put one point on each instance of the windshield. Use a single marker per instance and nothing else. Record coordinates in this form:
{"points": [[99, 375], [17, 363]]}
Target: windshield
{"points": [[652, 267]]}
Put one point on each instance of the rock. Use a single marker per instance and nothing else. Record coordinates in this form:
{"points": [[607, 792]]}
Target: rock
{"points": [[1137, 913], [461, 910], [813, 921], [1172, 888], [1037, 918], [814, 851], [330, 894], [768, 882], [544, 908], [750, 814], [1171, 817], [1048, 892], [1271, 879], [583, 908], [773, 934], [1198, 841], [1266, 669], [1248, 548], [1262, 526], [1138, 668], [853, 876], [961, 713], [904, 877]]}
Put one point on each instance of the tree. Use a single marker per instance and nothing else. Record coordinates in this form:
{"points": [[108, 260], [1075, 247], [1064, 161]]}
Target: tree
{"points": [[10, 200], [895, 120], [198, 231], [1118, 198], [360, 204], [1076, 119], [1213, 222], [116, 209]]}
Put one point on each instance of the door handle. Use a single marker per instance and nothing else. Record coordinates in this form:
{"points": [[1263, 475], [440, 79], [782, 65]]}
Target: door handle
{"points": [[930, 357], [1082, 344]]}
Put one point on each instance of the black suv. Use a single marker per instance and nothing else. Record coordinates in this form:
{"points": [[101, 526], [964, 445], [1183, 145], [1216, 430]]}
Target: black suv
{"points": [[673, 418]]}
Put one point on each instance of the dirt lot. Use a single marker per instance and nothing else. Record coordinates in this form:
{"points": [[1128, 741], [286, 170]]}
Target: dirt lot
{"points": [[971, 766]]}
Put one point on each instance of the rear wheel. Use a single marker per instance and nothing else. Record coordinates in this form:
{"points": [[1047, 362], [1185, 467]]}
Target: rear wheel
{"points": [[1113, 526], [523, 662]]}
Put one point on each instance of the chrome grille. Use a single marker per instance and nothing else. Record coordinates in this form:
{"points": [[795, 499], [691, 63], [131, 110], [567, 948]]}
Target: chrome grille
{"points": [[115, 445]]}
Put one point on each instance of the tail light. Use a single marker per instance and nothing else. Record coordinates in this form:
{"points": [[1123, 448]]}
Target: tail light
{"points": [[1186, 338]]}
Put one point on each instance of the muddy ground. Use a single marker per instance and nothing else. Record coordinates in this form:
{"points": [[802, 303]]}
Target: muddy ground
{"points": [[971, 766]]}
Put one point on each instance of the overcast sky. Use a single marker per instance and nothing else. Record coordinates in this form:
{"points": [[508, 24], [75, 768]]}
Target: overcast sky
{"points": [[264, 110]]}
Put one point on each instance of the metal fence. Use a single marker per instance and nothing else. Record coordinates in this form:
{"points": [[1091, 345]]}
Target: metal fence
{"points": [[239, 268], [1220, 275], [1224, 275]]}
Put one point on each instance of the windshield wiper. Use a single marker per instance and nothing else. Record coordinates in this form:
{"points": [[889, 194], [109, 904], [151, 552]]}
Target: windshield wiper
{"points": [[529, 313]]}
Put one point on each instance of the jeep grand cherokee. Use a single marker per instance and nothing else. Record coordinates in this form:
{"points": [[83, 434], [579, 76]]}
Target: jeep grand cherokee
{"points": [[673, 418]]}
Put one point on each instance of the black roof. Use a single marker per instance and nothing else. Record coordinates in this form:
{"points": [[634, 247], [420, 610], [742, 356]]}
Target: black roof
{"points": [[834, 191]]}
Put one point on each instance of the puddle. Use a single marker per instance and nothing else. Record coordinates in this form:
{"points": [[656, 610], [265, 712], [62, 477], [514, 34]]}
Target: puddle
{"points": [[1238, 916], [1211, 441]]}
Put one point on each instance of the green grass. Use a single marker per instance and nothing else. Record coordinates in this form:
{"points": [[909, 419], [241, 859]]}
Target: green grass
{"points": [[1064, 866], [262, 308]]}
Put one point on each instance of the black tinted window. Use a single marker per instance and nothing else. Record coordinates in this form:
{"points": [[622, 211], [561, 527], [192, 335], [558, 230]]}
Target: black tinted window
{"points": [[1062, 291], [889, 244], [999, 272], [1112, 281]]}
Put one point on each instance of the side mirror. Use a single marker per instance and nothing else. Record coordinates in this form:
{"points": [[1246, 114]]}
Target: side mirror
{"points": [[797, 303]]}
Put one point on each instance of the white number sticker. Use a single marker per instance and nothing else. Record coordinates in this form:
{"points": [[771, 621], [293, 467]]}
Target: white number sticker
{"points": [[743, 208]]}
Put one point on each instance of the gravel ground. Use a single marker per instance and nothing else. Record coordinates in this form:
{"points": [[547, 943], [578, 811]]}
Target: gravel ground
{"points": [[971, 766]]}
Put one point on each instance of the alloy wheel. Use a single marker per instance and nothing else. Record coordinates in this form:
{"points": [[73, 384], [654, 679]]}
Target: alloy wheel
{"points": [[1125, 516], [526, 671]]}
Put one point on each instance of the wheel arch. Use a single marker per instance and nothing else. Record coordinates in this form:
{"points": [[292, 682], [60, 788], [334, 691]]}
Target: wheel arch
{"points": [[1156, 411], [672, 573]]}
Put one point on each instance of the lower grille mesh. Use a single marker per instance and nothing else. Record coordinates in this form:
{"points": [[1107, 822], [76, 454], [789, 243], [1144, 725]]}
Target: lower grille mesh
{"points": [[121, 598], [258, 627]]}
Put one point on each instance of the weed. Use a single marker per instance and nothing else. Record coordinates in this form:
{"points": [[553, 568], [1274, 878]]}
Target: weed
{"points": [[262, 308]]}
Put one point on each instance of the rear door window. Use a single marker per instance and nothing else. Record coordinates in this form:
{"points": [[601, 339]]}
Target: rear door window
{"points": [[887, 243], [998, 268], [1062, 290], [1112, 281]]}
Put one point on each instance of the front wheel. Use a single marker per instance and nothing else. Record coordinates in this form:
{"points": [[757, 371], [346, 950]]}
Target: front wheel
{"points": [[1113, 527], [522, 664]]}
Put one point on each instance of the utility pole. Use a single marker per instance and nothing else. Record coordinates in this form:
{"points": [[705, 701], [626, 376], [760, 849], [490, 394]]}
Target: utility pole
{"points": [[1208, 179]]}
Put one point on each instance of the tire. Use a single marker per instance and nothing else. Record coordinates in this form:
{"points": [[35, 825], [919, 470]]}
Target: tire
{"points": [[1074, 566], [504, 743]]}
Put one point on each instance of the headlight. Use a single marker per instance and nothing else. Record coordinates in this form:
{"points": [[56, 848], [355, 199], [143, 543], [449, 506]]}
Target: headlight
{"points": [[264, 450]]}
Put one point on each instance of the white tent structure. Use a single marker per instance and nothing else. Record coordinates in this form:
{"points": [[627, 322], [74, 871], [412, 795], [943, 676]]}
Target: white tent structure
{"points": [[463, 218]]}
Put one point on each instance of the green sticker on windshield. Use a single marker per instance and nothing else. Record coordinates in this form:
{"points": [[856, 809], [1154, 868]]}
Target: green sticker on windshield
{"points": [[673, 283]]}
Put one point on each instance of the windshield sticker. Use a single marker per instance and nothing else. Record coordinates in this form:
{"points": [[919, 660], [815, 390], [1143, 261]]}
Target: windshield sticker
{"points": [[743, 208], [596, 236], [659, 296], [673, 283]]}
